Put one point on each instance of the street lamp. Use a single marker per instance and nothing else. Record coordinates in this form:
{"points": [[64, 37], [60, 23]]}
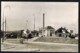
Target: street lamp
{"points": [[4, 23]]}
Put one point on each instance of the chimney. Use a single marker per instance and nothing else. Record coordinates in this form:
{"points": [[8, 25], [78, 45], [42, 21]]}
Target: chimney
{"points": [[43, 20]]}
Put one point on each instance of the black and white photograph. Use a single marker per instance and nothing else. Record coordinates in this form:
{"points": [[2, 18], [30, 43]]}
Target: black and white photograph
{"points": [[39, 26]]}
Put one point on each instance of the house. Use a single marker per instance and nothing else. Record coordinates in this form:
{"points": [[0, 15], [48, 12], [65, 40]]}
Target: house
{"points": [[62, 32], [35, 33], [48, 31]]}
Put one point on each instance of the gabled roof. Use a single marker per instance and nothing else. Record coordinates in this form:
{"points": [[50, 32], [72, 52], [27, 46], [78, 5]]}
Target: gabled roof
{"points": [[49, 27], [60, 30]]}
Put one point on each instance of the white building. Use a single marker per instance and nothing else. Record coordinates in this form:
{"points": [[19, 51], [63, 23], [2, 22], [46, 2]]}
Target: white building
{"points": [[48, 31]]}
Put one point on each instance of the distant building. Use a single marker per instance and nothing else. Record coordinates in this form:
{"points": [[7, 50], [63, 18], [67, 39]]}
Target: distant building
{"points": [[35, 33], [62, 32], [48, 31]]}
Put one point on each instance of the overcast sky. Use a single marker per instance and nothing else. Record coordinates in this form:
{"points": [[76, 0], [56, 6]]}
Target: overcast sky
{"points": [[21, 15]]}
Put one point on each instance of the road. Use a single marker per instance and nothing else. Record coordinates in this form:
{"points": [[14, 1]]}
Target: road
{"points": [[39, 46]]}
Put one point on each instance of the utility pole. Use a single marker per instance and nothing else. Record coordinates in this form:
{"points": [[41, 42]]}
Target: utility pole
{"points": [[5, 29], [4, 24], [34, 22], [34, 26], [26, 24]]}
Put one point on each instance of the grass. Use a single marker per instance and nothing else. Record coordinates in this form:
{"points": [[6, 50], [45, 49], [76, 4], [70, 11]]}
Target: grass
{"points": [[49, 39], [57, 40]]}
